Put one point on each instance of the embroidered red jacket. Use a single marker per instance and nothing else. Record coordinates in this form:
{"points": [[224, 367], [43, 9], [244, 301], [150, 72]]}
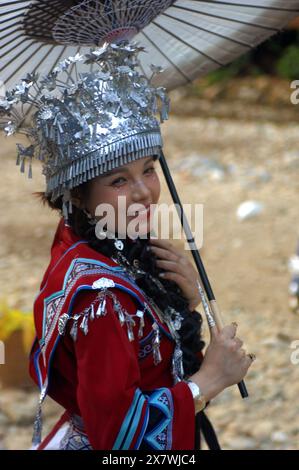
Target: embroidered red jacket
{"points": [[126, 401]]}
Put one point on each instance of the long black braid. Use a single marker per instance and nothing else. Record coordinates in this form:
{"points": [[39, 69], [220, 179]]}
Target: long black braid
{"points": [[191, 342]]}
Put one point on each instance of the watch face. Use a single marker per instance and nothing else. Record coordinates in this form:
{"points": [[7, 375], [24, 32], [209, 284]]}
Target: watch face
{"points": [[199, 399], [194, 389]]}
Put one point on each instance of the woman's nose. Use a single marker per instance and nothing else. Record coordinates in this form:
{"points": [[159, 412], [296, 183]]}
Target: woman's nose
{"points": [[139, 190]]}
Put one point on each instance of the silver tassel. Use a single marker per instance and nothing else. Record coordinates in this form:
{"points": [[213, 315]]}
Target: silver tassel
{"points": [[84, 324], [130, 324], [120, 312], [156, 345], [58, 137], [101, 311], [30, 171], [22, 169], [92, 315], [37, 427], [140, 314], [64, 211], [177, 364], [74, 329], [62, 323], [38, 422]]}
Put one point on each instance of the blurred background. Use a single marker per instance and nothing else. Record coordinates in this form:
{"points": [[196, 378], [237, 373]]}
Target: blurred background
{"points": [[232, 145]]}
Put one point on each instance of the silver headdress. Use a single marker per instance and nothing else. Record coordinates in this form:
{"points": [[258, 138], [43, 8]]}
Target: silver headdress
{"points": [[82, 129]]}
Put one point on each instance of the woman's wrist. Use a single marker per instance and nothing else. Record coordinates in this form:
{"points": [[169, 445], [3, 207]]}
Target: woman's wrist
{"points": [[209, 387]]}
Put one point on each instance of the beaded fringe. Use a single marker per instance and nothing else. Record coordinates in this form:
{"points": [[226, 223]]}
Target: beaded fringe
{"points": [[81, 320], [103, 160]]}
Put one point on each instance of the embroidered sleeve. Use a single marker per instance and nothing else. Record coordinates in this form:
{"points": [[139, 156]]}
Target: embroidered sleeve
{"points": [[117, 414]]}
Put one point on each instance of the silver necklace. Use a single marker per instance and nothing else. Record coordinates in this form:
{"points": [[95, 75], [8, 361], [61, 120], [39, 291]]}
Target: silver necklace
{"points": [[170, 316]]}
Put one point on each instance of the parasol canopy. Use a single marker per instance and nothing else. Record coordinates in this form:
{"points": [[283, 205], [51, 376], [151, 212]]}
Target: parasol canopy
{"points": [[187, 38]]}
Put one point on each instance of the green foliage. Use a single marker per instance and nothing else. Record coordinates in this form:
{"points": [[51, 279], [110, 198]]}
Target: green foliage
{"points": [[279, 56], [242, 66], [288, 64]]}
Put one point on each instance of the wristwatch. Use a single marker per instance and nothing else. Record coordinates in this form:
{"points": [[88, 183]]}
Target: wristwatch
{"points": [[199, 399]]}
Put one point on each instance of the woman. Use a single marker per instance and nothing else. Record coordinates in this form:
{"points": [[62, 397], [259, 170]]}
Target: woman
{"points": [[117, 334], [102, 375]]}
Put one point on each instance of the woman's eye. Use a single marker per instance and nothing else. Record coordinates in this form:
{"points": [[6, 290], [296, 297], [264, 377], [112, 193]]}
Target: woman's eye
{"points": [[150, 170], [118, 181]]}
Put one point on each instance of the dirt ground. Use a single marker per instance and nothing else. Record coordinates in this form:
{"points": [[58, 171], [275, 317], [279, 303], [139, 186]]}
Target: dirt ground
{"points": [[220, 163]]}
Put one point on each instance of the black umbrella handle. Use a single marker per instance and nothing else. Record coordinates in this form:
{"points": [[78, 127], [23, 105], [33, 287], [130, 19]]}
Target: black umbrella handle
{"points": [[195, 253]]}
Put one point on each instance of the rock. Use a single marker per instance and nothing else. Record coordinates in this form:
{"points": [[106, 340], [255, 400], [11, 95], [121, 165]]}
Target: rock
{"points": [[249, 209], [202, 166], [291, 158], [284, 338], [262, 430], [279, 437], [280, 340], [237, 243], [265, 176], [242, 443], [293, 264], [217, 174]]}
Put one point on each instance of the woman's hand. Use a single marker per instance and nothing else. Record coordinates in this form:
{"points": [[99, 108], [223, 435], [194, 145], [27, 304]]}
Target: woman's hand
{"points": [[178, 268], [225, 362]]}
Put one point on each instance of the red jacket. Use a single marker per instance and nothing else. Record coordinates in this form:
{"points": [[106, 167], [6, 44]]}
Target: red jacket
{"points": [[124, 399]]}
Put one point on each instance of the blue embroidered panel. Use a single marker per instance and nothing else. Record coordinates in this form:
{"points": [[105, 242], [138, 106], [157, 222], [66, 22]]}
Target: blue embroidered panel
{"points": [[156, 432], [158, 435]]}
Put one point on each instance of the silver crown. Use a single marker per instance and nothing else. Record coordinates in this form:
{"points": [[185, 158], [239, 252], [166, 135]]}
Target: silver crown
{"points": [[82, 129]]}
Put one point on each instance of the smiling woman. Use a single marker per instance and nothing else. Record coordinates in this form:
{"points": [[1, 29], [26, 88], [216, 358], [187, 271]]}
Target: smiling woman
{"points": [[137, 183], [118, 340], [128, 192]]}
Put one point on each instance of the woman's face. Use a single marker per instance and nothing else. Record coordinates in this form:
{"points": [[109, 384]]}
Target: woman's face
{"points": [[134, 183]]}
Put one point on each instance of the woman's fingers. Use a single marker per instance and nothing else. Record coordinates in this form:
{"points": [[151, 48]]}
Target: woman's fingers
{"points": [[238, 343], [177, 268], [172, 262], [245, 359], [242, 353], [169, 266], [164, 253], [229, 331], [162, 243], [175, 277]]}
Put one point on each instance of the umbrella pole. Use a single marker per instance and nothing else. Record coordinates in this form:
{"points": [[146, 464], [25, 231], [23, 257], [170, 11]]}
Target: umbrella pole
{"points": [[211, 308]]}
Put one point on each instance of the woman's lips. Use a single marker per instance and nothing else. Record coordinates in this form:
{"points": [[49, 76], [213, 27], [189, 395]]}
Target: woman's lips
{"points": [[144, 212]]}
